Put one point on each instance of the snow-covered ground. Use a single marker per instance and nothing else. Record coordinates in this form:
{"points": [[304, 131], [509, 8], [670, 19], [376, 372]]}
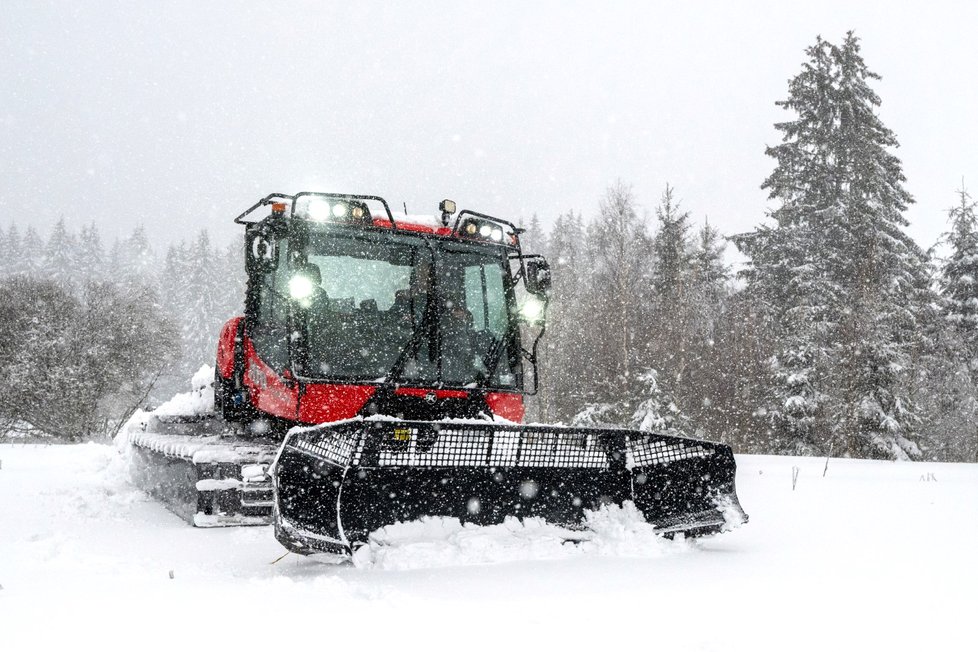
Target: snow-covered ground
{"points": [[872, 556]]}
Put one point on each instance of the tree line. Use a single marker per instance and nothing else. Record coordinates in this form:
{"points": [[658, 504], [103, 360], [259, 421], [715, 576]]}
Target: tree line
{"points": [[88, 333], [840, 335]]}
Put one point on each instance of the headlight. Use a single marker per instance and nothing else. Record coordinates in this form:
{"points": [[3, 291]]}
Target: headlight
{"points": [[532, 310], [318, 210], [300, 287]]}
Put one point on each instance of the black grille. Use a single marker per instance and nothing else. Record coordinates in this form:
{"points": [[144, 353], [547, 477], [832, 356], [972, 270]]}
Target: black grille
{"points": [[427, 444], [651, 450], [438, 446], [337, 447]]}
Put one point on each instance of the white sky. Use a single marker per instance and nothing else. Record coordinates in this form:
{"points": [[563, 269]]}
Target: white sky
{"points": [[179, 116]]}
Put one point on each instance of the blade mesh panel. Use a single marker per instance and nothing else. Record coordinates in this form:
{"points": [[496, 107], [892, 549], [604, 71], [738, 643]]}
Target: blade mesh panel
{"points": [[482, 446], [337, 447], [648, 451]]}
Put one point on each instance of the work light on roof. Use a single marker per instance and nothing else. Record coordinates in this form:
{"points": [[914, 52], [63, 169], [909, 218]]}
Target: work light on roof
{"points": [[482, 230], [321, 209], [318, 210]]}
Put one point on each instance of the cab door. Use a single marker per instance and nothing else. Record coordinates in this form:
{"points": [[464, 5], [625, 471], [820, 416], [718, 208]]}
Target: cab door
{"points": [[268, 359]]}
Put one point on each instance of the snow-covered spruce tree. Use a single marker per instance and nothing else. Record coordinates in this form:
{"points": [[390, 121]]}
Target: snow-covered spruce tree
{"points": [[31, 253], [959, 276], [711, 276], [840, 276], [58, 264], [90, 255], [672, 277], [673, 254], [950, 368], [11, 259], [703, 383], [658, 412], [203, 315], [791, 300]]}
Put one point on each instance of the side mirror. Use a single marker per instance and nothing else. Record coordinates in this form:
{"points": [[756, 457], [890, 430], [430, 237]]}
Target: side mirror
{"points": [[261, 253], [538, 279]]}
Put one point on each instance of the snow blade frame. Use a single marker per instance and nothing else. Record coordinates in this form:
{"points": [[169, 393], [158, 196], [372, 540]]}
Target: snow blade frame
{"points": [[335, 484]]}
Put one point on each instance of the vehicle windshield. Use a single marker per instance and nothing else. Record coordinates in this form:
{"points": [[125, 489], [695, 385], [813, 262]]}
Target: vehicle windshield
{"points": [[371, 301]]}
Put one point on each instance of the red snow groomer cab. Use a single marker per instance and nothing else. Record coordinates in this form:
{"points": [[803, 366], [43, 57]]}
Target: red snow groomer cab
{"points": [[402, 349], [351, 312]]}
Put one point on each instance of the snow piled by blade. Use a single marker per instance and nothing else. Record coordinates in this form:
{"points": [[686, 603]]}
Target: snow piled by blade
{"points": [[200, 400], [434, 542]]}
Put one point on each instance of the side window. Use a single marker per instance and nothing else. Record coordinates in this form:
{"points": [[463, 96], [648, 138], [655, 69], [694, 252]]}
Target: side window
{"points": [[271, 329], [485, 298]]}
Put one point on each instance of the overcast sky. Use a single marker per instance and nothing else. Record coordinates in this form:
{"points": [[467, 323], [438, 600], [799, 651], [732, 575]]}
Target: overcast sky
{"points": [[179, 115]]}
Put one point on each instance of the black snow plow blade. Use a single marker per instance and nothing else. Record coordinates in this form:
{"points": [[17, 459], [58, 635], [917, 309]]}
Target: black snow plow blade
{"points": [[335, 484]]}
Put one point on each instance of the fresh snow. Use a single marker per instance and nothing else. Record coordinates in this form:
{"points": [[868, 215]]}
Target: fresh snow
{"points": [[200, 400], [874, 555]]}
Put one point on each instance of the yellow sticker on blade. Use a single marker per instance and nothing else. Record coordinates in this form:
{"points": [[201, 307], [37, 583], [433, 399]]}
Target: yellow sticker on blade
{"points": [[402, 434]]}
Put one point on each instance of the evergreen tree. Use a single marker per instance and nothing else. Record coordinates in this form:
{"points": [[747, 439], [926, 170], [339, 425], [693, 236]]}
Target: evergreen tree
{"points": [[959, 275], [669, 336], [59, 256], [89, 256], [703, 385], [32, 253], [13, 258], [710, 278], [841, 278], [202, 316], [673, 255], [949, 370], [137, 257], [658, 412]]}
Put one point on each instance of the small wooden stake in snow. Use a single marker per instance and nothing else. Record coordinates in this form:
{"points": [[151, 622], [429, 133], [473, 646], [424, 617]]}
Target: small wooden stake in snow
{"points": [[794, 476], [171, 575]]}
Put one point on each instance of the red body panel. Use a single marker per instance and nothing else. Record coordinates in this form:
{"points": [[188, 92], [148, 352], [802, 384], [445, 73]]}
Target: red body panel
{"points": [[384, 223], [225, 347], [269, 392], [324, 403], [507, 406], [421, 392]]}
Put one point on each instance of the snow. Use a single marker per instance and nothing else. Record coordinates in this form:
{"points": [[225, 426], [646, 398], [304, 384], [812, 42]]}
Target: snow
{"points": [[436, 542], [200, 400], [874, 555]]}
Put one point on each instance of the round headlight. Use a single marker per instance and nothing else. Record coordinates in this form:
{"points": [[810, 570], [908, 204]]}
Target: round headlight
{"points": [[318, 210], [339, 210], [532, 309], [485, 230], [300, 287]]}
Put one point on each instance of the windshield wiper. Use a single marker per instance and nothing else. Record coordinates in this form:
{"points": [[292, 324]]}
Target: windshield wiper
{"points": [[491, 360], [423, 326]]}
